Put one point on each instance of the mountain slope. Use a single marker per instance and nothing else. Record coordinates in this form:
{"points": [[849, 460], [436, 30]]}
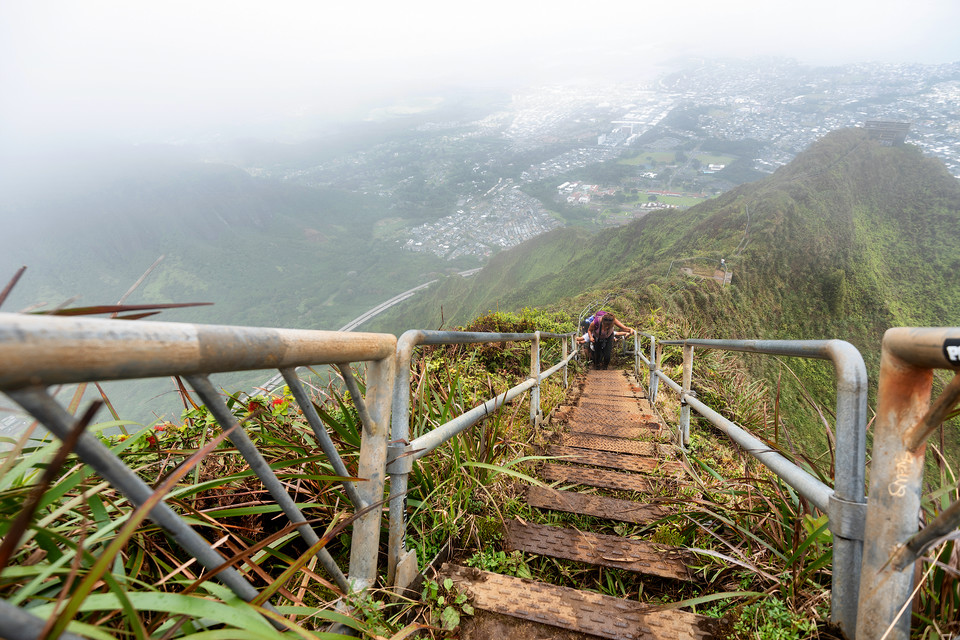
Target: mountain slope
{"points": [[849, 238], [264, 251]]}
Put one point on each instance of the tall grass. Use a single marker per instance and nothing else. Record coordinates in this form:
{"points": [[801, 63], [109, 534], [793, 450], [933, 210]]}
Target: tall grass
{"points": [[89, 562]]}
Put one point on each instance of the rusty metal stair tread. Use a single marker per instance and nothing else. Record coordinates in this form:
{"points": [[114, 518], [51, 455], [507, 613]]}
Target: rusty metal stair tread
{"points": [[602, 479], [614, 444], [583, 611], [594, 414], [596, 506], [628, 408], [599, 549], [649, 430], [609, 460], [616, 394]]}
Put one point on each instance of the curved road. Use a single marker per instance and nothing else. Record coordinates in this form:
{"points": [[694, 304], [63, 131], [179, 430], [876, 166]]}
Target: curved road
{"points": [[277, 380], [380, 308]]}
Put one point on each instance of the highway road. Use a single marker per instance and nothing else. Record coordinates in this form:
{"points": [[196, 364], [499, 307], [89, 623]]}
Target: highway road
{"points": [[397, 299], [277, 380]]}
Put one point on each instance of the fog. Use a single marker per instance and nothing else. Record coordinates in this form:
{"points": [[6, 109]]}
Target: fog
{"points": [[106, 74], [174, 71]]}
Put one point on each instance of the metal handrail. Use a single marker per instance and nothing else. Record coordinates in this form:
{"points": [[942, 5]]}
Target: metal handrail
{"points": [[905, 418], [881, 537], [39, 351], [844, 504], [402, 565]]}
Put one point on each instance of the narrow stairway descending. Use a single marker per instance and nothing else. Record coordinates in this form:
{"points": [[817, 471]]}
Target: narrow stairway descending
{"points": [[611, 442]]}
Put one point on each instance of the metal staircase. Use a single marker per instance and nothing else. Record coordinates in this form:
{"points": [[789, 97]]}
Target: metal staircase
{"points": [[611, 440]]}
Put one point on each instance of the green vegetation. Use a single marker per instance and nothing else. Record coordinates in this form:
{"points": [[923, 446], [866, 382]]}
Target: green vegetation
{"points": [[88, 561], [848, 240], [651, 157]]}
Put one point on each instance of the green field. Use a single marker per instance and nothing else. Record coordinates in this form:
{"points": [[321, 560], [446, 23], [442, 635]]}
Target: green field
{"points": [[680, 201], [645, 157], [668, 157], [706, 158]]}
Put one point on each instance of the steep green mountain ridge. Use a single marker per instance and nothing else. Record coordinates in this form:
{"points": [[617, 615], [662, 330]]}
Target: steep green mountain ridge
{"points": [[849, 239]]}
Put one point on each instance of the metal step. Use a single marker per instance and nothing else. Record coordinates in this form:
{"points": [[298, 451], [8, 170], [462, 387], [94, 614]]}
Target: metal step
{"points": [[648, 430], [582, 611], [622, 392], [598, 549], [623, 462], [594, 505], [616, 480], [617, 445], [624, 405], [603, 414]]}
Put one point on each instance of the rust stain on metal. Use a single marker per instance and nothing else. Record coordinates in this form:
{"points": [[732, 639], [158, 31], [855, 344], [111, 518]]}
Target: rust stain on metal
{"points": [[603, 550], [586, 612], [616, 480], [624, 462], [594, 505]]}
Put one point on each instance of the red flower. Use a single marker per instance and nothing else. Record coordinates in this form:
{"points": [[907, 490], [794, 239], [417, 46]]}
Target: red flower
{"points": [[160, 427], [278, 401], [152, 441]]}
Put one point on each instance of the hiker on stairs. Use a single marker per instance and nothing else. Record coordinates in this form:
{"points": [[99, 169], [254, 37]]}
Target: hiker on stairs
{"points": [[602, 332]]}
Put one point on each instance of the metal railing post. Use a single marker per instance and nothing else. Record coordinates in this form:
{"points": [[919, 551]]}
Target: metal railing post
{"points": [[845, 503], [684, 405], [564, 354], [400, 465], [402, 563], [654, 367], [535, 374], [371, 470], [896, 476]]}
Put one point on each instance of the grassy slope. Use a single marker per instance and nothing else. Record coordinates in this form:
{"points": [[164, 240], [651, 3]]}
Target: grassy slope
{"points": [[849, 239]]}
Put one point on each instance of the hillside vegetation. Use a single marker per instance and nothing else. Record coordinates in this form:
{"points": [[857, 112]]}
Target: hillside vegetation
{"points": [[847, 240]]}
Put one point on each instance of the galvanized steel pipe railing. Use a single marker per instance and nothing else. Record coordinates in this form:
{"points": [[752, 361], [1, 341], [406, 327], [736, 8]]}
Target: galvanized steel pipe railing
{"points": [[844, 504], [402, 563], [650, 362], [39, 351], [905, 418]]}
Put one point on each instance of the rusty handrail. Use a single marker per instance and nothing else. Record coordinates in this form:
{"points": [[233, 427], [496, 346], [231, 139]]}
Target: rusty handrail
{"points": [[39, 351], [894, 539]]}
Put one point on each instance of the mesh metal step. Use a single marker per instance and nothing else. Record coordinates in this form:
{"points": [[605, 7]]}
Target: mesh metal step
{"points": [[624, 462], [582, 611], [647, 431], [594, 505], [605, 416], [598, 549], [624, 392], [610, 403], [616, 480], [617, 445]]}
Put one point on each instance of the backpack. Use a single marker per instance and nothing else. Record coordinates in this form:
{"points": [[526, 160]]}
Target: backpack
{"points": [[596, 323]]}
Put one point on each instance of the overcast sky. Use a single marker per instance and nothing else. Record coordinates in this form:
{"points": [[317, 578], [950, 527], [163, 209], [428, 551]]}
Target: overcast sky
{"points": [[150, 70]]}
